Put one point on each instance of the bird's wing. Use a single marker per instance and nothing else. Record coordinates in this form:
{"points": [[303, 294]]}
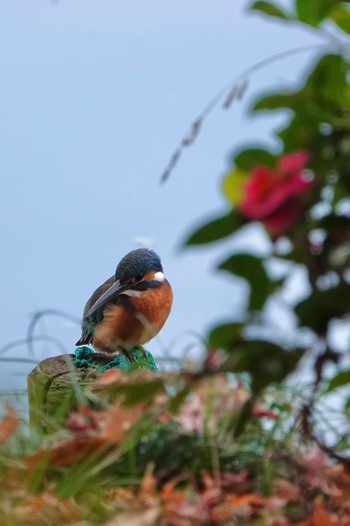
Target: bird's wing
{"points": [[89, 323], [97, 294]]}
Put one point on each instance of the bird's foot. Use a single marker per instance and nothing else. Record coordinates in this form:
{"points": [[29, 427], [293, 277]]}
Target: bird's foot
{"points": [[129, 355], [141, 349]]}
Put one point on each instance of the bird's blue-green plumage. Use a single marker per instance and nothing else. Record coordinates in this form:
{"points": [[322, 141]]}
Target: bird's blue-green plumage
{"points": [[131, 269], [137, 262]]}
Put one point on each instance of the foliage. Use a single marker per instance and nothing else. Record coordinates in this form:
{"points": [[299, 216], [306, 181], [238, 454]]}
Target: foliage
{"points": [[230, 443], [167, 457], [298, 195]]}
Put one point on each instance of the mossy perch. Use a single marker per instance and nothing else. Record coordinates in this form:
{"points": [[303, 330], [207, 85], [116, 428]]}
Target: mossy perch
{"points": [[56, 385]]}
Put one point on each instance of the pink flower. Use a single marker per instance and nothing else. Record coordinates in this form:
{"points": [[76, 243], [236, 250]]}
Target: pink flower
{"points": [[265, 413], [215, 359], [273, 196], [191, 416]]}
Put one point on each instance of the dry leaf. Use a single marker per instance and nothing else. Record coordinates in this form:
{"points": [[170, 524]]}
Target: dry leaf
{"points": [[8, 425], [136, 518]]}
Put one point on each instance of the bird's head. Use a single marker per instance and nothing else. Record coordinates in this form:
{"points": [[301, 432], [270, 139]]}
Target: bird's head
{"points": [[136, 265], [139, 270]]}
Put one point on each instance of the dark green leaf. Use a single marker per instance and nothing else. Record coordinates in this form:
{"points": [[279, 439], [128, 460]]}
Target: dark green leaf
{"points": [[347, 405], [321, 306], [176, 401], [135, 393], [225, 336], [270, 9], [325, 87], [339, 380], [323, 100], [328, 82], [266, 362], [313, 13], [341, 16], [250, 268], [251, 157], [216, 229], [240, 419], [274, 102], [302, 132], [170, 452]]}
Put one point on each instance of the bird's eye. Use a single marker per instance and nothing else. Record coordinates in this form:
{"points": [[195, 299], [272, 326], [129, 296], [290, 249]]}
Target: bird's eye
{"points": [[139, 276]]}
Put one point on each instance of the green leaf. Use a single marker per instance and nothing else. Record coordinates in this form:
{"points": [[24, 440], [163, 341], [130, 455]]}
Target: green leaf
{"points": [[233, 186], [328, 83], [347, 405], [274, 102], [225, 336], [339, 380], [302, 133], [176, 401], [326, 87], [251, 157], [141, 391], [321, 306], [341, 16], [322, 100], [270, 9], [216, 229], [313, 13], [251, 269], [266, 362]]}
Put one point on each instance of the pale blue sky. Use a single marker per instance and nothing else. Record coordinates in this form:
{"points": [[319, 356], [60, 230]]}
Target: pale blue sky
{"points": [[94, 98]]}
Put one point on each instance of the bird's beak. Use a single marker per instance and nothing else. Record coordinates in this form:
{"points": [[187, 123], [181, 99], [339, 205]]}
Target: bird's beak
{"points": [[106, 297]]}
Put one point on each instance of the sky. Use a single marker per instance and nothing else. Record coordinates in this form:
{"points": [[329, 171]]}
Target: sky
{"points": [[95, 96]]}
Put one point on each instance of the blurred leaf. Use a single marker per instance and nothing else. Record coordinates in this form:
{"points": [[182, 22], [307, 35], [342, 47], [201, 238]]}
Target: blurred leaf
{"points": [[326, 84], [141, 392], [269, 9], [273, 102], [225, 336], [170, 452], [216, 229], [242, 417], [302, 132], [323, 305], [251, 157], [313, 13], [339, 380], [341, 16], [251, 269], [266, 362], [8, 424], [323, 101], [347, 405], [233, 186], [177, 400]]}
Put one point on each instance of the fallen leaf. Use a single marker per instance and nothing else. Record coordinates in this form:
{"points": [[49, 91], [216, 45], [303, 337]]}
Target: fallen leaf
{"points": [[136, 518], [8, 425]]}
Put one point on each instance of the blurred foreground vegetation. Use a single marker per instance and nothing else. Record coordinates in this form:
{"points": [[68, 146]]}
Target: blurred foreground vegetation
{"points": [[243, 438]]}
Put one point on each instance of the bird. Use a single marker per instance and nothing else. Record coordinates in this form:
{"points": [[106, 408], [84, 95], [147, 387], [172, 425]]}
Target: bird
{"points": [[129, 308]]}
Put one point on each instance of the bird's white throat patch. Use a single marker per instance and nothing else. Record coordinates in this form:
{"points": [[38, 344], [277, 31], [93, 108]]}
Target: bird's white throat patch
{"points": [[132, 293], [159, 276]]}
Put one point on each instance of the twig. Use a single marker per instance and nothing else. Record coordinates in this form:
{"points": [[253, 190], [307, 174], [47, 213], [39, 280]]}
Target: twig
{"points": [[40, 314], [24, 341], [307, 429], [234, 90], [307, 408]]}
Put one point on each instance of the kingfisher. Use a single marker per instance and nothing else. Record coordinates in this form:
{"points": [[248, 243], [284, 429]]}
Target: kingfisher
{"points": [[130, 308]]}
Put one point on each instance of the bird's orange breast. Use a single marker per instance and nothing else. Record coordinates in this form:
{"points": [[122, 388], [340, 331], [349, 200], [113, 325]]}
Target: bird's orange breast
{"points": [[130, 326]]}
